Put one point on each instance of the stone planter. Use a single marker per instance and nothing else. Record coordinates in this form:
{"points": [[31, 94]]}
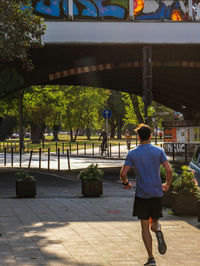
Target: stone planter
{"points": [[92, 187], [25, 189], [198, 210], [167, 198], [184, 203]]}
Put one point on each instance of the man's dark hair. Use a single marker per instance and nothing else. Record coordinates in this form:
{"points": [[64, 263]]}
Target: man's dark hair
{"points": [[143, 131]]}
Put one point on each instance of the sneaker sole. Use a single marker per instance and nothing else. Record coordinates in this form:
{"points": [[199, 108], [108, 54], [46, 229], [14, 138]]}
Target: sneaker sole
{"points": [[152, 263], [162, 247]]}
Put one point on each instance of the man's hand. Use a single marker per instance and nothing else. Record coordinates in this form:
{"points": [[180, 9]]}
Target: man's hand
{"points": [[129, 186], [165, 187], [123, 177]]}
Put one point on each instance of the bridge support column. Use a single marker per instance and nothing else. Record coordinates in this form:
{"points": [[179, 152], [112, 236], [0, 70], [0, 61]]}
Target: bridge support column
{"points": [[131, 10], [147, 79], [190, 13], [70, 10]]}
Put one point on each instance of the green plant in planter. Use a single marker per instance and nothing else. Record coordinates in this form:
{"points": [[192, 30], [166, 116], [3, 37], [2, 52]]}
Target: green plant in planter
{"points": [[24, 176], [25, 184], [185, 182], [91, 172], [163, 174], [185, 191], [92, 182]]}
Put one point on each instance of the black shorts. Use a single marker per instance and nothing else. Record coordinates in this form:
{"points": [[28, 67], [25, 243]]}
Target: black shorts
{"points": [[146, 208]]}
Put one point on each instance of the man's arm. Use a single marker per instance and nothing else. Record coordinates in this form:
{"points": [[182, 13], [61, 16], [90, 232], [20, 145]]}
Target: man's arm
{"points": [[168, 170], [123, 176]]}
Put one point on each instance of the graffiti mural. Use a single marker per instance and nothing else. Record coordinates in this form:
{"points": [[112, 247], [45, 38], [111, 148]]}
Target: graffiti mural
{"points": [[113, 9], [176, 10]]}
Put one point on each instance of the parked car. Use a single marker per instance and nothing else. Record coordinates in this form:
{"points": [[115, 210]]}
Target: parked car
{"points": [[195, 164], [27, 135], [14, 136]]}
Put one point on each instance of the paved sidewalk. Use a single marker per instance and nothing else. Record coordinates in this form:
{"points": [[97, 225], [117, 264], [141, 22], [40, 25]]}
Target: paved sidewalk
{"points": [[60, 227]]}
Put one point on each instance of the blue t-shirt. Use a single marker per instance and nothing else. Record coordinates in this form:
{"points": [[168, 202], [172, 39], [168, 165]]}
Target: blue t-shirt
{"points": [[146, 160]]}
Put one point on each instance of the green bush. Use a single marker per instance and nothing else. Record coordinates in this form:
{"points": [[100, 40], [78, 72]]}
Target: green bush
{"points": [[91, 172], [163, 175], [185, 182], [24, 176]]}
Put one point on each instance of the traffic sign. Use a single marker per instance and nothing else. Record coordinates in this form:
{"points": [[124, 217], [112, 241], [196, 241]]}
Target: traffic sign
{"points": [[107, 113]]}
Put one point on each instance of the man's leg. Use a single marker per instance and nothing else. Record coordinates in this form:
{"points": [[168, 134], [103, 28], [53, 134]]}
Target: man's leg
{"points": [[146, 236], [155, 225], [156, 228]]}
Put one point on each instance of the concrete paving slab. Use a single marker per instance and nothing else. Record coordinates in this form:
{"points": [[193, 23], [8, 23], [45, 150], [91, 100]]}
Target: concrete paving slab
{"points": [[68, 229]]}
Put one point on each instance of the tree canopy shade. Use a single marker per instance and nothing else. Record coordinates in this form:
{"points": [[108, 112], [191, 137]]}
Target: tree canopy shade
{"points": [[20, 30]]}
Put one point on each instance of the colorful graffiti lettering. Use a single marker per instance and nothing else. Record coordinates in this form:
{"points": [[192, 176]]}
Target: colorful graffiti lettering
{"points": [[82, 8], [162, 10], [113, 9]]}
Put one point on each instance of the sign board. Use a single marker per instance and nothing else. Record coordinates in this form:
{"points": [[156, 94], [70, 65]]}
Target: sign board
{"points": [[107, 113], [178, 147]]}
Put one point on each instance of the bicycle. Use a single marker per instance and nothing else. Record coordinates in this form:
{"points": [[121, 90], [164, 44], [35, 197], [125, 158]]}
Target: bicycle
{"points": [[103, 149]]}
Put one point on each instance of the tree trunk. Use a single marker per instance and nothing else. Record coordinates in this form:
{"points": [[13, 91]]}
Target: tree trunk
{"points": [[21, 130], [55, 132], [119, 128], [76, 134], [135, 102], [35, 133], [113, 126], [88, 133], [71, 134]]}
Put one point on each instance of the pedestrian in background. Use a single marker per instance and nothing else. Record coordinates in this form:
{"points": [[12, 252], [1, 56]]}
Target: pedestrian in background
{"points": [[128, 137], [146, 160]]}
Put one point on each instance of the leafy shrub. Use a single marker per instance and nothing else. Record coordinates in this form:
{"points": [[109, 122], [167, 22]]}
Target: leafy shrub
{"points": [[24, 176], [163, 175], [186, 182], [91, 172]]}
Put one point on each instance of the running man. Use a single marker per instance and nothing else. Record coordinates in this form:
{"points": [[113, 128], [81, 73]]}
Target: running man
{"points": [[146, 160]]}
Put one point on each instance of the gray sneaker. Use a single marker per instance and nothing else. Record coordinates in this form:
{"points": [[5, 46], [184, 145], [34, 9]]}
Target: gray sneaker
{"points": [[162, 247], [150, 262]]}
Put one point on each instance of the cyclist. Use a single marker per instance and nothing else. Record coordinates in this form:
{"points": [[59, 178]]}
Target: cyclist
{"points": [[104, 140]]}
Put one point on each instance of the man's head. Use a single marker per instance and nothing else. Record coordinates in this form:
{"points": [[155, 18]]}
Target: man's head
{"points": [[143, 131]]}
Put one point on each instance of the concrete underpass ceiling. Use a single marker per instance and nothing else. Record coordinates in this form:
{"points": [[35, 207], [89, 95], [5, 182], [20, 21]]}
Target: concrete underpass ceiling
{"points": [[176, 77]]}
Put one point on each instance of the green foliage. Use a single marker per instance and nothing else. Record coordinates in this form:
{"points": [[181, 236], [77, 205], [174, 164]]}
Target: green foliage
{"points": [[130, 116], [185, 182], [163, 175], [24, 176], [10, 79], [81, 107], [20, 30], [91, 172]]}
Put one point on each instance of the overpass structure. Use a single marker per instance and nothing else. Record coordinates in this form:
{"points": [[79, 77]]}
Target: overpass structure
{"points": [[99, 43]]}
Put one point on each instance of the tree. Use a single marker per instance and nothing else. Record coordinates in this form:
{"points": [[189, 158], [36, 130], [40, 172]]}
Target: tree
{"points": [[134, 108], [42, 106], [135, 111], [20, 30], [82, 108], [117, 107]]}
